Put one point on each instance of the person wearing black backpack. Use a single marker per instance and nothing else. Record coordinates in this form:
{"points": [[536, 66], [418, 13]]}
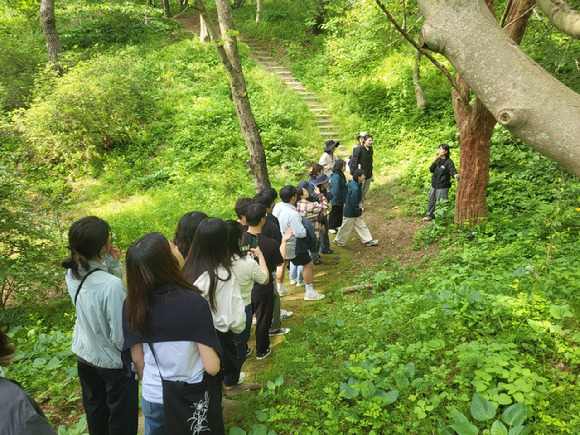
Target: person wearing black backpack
{"points": [[362, 158]]}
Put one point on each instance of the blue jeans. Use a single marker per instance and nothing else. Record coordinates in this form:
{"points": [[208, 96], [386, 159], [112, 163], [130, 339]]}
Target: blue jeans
{"points": [[153, 413], [242, 342], [296, 273]]}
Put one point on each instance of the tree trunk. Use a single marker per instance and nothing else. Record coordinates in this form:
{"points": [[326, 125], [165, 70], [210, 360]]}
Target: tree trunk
{"points": [[228, 53], [203, 33], [319, 15], [562, 16], [48, 23], [524, 98], [421, 102], [258, 10], [166, 8]]}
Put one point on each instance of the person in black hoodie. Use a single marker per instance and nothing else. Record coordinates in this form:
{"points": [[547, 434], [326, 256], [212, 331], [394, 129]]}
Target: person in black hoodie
{"points": [[442, 169]]}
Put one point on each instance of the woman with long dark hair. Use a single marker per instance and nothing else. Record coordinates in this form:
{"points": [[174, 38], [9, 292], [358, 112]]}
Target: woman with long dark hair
{"points": [[247, 272], [168, 330], [209, 267], [186, 230], [93, 278], [442, 169]]}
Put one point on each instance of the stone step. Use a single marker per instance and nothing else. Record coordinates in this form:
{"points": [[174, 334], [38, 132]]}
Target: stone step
{"points": [[324, 122], [327, 127], [322, 109], [306, 93], [309, 99], [277, 67], [282, 72], [266, 57], [332, 134], [320, 116], [292, 82]]}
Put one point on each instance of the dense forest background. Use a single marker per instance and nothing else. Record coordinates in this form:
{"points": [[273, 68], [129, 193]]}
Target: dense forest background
{"points": [[139, 128]]}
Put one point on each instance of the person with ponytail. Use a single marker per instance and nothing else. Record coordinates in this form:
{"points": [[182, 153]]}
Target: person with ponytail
{"points": [[93, 277], [169, 337], [209, 267]]}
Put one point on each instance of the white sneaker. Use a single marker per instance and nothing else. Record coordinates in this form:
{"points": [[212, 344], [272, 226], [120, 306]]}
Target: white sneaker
{"points": [[283, 291], [314, 296], [242, 378], [299, 283], [372, 243], [292, 282], [332, 231], [286, 314]]}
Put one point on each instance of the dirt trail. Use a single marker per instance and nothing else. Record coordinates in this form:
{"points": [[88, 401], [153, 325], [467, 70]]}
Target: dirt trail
{"points": [[395, 232]]}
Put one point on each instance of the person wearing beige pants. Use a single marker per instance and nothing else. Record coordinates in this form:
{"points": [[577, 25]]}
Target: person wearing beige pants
{"points": [[353, 214]]}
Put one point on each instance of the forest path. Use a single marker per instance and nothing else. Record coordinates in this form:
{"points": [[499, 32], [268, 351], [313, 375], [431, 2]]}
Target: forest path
{"points": [[395, 230]]}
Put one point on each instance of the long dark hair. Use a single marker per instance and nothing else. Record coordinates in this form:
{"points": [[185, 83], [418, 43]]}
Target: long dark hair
{"points": [[86, 238], [150, 263], [186, 230], [234, 235], [446, 148], [337, 167], [208, 251]]}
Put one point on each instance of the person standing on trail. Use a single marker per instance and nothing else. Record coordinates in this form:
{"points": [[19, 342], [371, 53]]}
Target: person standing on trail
{"points": [[339, 186], [328, 159], [353, 214], [93, 277], [289, 218], [362, 158], [442, 169]]}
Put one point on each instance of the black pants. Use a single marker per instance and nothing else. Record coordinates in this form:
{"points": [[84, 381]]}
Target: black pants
{"points": [[335, 217], [263, 306], [111, 400]]}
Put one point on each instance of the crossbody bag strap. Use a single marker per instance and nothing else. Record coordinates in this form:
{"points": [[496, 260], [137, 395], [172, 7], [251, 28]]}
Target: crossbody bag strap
{"points": [[156, 361], [82, 282]]}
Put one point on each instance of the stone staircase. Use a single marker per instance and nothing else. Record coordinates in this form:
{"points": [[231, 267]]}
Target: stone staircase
{"points": [[326, 127]]}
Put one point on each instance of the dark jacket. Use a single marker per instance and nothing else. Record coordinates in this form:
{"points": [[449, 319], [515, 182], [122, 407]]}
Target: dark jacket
{"points": [[443, 170], [353, 198], [363, 157], [339, 188]]}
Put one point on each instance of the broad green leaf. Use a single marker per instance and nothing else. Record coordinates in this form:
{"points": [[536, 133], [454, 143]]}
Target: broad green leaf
{"points": [[498, 428], [504, 399], [520, 271], [436, 344], [348, 391], [560, 311], [258, 429], [271, 386], [53, 363], [279, 380], [444, 428], [351, 414], [237, 431], [402, 381], [458, 417], [410, 370], [339, 323], [261, 416], [520, 430], [515, 414], [39, 362], [465, 428], [390, 397], [481, 409]]}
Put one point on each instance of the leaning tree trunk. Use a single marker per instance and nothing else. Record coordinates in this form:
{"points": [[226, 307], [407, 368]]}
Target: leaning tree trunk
{"points": [[227, 50], [523, 97], [475, 124], [48, 23]]}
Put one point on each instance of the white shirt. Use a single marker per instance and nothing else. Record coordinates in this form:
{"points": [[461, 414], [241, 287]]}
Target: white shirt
{"points": [[179, 361], [230, 309], [248, 271], [289, 217]]}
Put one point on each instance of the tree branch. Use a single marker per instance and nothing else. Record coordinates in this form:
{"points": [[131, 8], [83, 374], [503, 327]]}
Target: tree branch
{"points": [[505, 14], [562, 16], [428, 55]]}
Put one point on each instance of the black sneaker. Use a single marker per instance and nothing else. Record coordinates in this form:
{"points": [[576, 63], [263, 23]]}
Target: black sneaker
{"points": [[264, 355], [248, 351], [279, 331]]}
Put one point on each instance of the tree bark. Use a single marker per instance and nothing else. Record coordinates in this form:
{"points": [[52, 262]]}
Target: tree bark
{"points": [[228, 53], [523, 97], [203, 33], [319, 15], [420, 95], [48, 23], [166, 8], [562, 16], [258, 10]]}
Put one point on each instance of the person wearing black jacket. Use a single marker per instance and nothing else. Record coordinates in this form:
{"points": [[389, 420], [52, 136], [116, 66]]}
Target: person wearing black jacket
{"points": [[362, 158], [442, 169]]}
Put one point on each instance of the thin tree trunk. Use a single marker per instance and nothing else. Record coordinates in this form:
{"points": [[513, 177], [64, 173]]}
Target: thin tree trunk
{"points": [[166, 8], [48, 23], [258, 10], [319, 15], [420, 95], [228, 53]]}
